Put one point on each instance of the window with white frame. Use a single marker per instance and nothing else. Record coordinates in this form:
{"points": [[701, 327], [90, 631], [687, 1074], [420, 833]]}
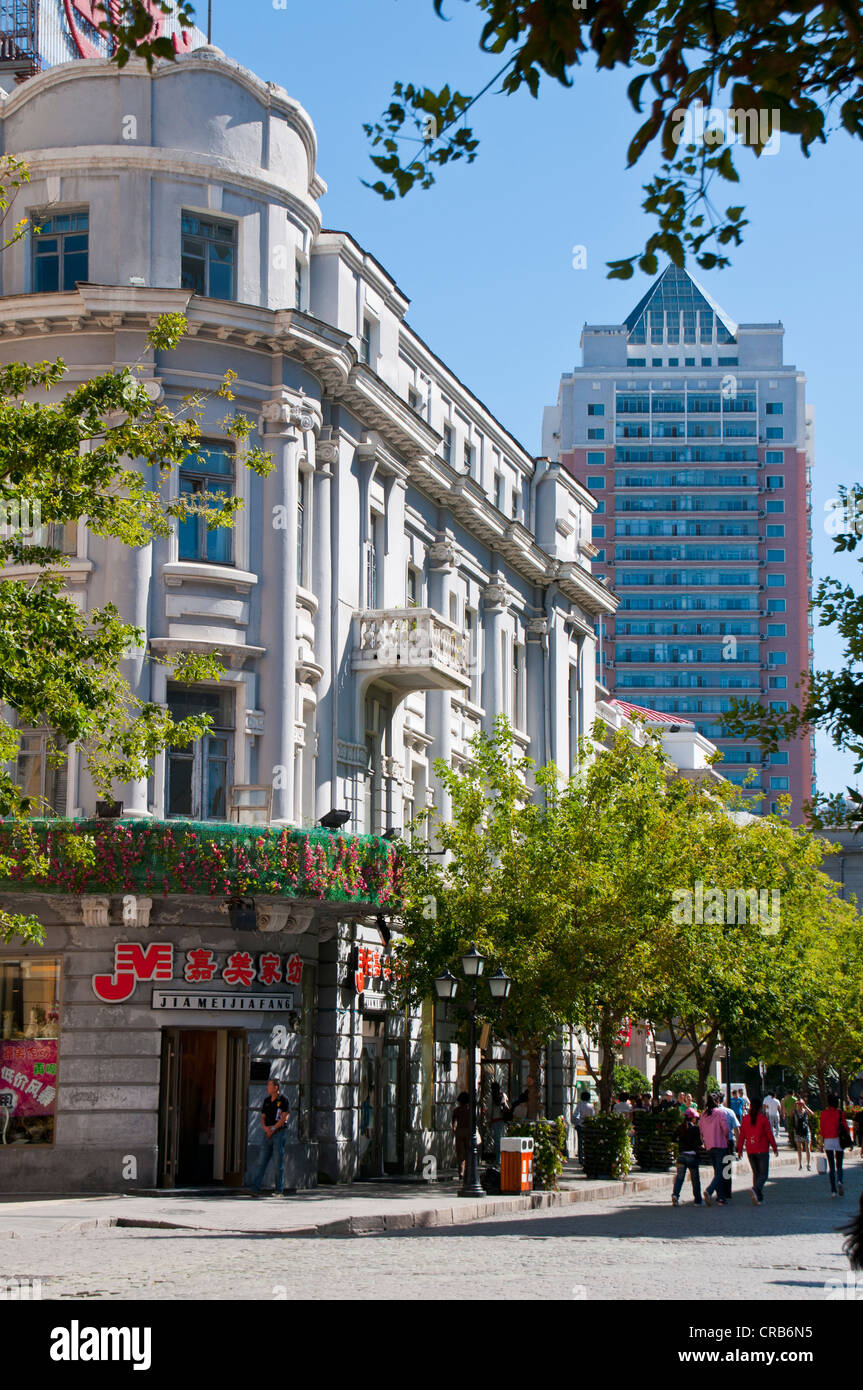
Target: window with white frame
{"points": [[374, 561], [471, 624], [199, 777], [39, 776], [518, 714], [304, 484], [209, 257], [207, 473], [60, 251]]}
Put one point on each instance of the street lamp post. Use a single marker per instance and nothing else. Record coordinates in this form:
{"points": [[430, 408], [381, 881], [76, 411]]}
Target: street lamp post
{"points": [[472, 964]]}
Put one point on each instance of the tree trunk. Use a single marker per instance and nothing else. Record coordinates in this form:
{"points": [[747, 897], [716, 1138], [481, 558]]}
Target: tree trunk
{"points": [[821, 1077], [606, 1051], [534, 1090], [703, 1061]]}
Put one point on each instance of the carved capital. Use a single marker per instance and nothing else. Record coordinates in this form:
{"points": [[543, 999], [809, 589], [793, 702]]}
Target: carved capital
{"points": [[94, 911], [444, 555], [496, 594], [536, 628], [289, 411]]}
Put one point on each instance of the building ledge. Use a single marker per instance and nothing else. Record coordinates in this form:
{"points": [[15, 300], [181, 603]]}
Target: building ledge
{"points": [[179, 572]]}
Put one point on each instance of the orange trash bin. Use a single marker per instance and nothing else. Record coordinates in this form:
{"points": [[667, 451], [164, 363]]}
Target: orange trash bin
{"points": [[516, 1165]]}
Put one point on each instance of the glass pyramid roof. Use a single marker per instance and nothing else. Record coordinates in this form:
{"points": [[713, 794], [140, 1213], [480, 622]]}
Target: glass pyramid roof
{"points": [[676, 293]]}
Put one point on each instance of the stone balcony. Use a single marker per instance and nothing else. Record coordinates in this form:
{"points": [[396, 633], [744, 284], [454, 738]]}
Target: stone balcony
{"points": [[410, 649]]}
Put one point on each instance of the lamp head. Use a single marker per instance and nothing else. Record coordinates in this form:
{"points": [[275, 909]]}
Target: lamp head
{"points": [[446, 985], [472, 963]]}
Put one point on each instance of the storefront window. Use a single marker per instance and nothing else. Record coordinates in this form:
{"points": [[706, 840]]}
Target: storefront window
{"points": [[29, 1043]]}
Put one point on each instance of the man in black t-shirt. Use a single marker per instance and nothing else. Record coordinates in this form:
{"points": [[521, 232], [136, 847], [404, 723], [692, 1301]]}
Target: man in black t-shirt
{"points": [[274, 1120]]}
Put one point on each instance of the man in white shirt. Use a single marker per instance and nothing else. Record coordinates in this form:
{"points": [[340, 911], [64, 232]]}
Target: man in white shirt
{"points": [[622, 1105], [583, 1111], [772, 1110]]}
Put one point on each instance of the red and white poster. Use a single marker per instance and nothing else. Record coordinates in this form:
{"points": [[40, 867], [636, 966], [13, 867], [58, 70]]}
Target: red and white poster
{"points": [[28, 1076]]}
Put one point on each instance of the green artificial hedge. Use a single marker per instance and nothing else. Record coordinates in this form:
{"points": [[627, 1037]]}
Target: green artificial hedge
{"points": [[549, 1147], [654, 1132], [607, 1146]]}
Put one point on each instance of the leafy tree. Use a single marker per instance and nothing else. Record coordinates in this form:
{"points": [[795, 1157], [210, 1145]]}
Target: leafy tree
{"points": [[687, 1080], [630, 1080], [790, 68], [64, 457]]}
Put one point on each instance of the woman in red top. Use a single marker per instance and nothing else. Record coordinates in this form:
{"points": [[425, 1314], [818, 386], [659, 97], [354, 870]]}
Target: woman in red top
{"points": [[756, 1137], [832, 1121]]}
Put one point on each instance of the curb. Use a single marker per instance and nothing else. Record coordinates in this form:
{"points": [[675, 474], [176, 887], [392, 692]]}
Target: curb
{"points": [[423, 1219]]}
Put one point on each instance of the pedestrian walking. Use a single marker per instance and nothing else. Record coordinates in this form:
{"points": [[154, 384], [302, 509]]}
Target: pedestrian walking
{"points": [[801, 1131], [756, 1137], [275, 1114], [667, 1102], [623, 1105], [736, 1104], [733, 1126], [461, 1129], [688, 1150], [583, 1111], [714, 1136], [772, 1109], [789, 1106], [836, 1136], [501, 1114]]}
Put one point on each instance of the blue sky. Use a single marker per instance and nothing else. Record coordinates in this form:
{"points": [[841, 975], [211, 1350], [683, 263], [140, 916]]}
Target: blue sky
{"points": [[486, 255]]}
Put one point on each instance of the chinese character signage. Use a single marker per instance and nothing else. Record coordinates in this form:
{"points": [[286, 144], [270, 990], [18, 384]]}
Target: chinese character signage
{"points": [[28, 1078], [133, 963], [372, 965]]}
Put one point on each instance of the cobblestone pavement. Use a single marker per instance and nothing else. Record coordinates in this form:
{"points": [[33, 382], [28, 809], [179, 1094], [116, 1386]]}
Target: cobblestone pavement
{"points": [[630, 1248]]}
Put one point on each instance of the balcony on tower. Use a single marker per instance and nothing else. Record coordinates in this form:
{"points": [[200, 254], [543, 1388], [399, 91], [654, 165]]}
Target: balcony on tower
{"points": [[410, 649]]}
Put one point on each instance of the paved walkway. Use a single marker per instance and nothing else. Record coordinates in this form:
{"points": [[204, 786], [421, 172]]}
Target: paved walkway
{"points": [[350, 1209], [629, 1247]]}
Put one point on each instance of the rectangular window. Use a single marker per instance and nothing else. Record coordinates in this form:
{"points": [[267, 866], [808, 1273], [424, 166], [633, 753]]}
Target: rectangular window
{"points": [[595, 459], [60, 251], [779, 759], [776, 581], [448, 439], [596, 409], [594, 481], [598, 531], [776, 557], [774, 407], [517, 685], [777, 658], [298, 283], [637, 362], [29, 1048], [414, 398], [674, 361], [656, 361], [600, 557], [209, 257], [301, 529], [776, 605], [366, 340], [600, 506], [781, 706], [777, 682], [774, 532], [775, 480], [779, 784], [471, 628], [412, 593], [199, 777], [43, 784], [775, 432], [689, 361], [776, 630], [774, 456], [499, 491], [469, 457], [207, 474], [374, 562], [776, 506], [596, 434], [707, 361]]}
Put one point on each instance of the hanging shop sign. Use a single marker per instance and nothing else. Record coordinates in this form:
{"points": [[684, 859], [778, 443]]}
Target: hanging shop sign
{"points": [[84, 17], [624, 1037], [134, 962], [372, 976], [238, 1003]]}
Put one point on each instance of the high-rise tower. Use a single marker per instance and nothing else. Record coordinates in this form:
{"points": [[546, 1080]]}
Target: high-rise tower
{"points": [[697, 440]]}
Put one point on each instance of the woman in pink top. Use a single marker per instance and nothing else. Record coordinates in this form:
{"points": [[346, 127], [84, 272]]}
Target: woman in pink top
{"points": [[756, 1137], [714, 1137]]}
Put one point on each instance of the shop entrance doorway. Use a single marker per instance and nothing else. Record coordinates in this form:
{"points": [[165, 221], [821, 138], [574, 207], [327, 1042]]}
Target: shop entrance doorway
{"points": [[203, 1103]]}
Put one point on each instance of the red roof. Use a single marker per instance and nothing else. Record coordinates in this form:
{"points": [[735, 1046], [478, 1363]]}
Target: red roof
{"points": [[652, 716]]}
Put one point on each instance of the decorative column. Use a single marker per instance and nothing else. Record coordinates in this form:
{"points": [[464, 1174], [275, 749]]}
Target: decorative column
{"points": [[496, 599], [290, 420], [324, 583], [443, 560]]}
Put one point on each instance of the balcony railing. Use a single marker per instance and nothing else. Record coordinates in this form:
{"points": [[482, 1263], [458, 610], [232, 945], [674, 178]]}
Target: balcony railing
{"points": [[411, 649]]}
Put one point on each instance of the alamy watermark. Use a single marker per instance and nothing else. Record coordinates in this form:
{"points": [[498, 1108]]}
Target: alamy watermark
{"points": [[730, 907], [712, 126]]}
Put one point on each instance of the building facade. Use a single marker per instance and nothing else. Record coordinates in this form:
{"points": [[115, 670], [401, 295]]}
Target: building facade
{"points": [[696, 439], [406, 572]]}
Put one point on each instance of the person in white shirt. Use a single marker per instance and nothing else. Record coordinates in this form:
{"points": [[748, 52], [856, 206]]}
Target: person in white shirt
{"points": [[583, 1111], [772, 1110], [622, 1105]]}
